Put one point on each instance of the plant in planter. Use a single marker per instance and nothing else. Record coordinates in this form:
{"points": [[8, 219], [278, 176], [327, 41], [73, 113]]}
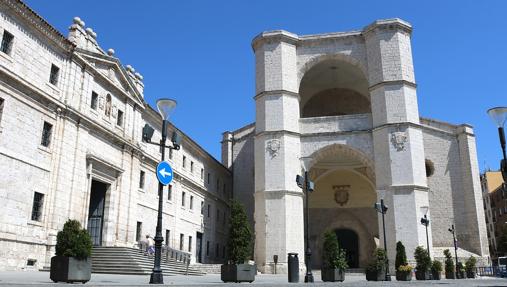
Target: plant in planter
{"points": [[334, 262], [238, 246], [403, 270], [376, 270], [423, 263], [470, 267], [449, 265], [436, 269], [461, 271], [73, 247]]}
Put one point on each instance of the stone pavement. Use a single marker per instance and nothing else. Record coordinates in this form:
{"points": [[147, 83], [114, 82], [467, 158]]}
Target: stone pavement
{"points": [[34, 278]]}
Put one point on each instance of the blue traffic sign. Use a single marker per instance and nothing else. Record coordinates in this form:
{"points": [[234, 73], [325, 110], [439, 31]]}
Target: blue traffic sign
{"points": [[164, 173]]}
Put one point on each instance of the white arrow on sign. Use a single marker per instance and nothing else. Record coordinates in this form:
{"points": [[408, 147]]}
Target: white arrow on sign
{"points": [[164, 173]]}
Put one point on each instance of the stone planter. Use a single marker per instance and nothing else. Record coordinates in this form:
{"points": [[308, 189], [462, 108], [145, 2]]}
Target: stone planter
{"points": [[403, 275], [333, 275], [422, 275], [375, 275], [436, 275], [238, 273], [70, 269], [450, 275], [470, 274]]}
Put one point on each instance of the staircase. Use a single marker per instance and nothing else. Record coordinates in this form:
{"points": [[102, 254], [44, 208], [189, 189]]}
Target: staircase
{"points": [[125, 260]]}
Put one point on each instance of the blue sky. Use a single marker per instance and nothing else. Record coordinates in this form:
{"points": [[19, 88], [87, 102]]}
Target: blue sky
{"points": [[199, 53]]}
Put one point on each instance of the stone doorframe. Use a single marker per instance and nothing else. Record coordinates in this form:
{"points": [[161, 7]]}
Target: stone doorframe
{"points": [[103, 171]]}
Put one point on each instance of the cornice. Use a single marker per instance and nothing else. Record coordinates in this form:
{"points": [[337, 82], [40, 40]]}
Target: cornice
{"points": [[392, 24], [277, 93], [274, 37], [36, 21]]}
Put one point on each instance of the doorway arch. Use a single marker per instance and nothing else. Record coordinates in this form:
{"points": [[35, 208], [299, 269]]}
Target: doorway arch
{"points": [[349, 241]]}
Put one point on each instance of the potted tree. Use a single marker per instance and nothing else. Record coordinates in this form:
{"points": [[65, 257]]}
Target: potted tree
{"points": [[376, 270], [333, 259], [461, 271], [73, 247], [238, 246], [423, 263], [449, 265], [436, 269], [470, 267], [403, 270]]}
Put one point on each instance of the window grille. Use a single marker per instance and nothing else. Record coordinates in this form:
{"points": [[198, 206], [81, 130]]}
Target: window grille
{"points": [[53, 77], [46, 134], [38, 200], [7, 40]]}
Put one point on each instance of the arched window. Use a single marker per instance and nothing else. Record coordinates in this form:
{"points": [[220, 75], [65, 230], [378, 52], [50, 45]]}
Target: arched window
{"points": [[108, 105]]}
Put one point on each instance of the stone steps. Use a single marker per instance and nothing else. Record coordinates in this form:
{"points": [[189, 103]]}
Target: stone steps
{"points": [[125, 260]]}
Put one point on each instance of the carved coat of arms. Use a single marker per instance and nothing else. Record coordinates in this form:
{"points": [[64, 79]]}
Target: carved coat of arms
{"points": [[398, 140], [272, 147], [341, 194]]}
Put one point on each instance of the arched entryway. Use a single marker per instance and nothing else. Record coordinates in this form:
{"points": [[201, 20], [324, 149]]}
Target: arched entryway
{"points": [[349, 241], [343, 202]]}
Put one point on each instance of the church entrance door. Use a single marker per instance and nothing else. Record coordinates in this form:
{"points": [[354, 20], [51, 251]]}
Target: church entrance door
{"points": [[349, 241], [96, 211]]}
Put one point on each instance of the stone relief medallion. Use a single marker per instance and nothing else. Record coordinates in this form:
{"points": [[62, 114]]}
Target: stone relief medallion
{"points": [[398, 140], [272, 147], [341, 194]]}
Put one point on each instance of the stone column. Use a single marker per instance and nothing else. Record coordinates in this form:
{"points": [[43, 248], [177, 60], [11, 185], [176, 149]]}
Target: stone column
{"points": [[227, 142], [278, 201], [397, 137]]}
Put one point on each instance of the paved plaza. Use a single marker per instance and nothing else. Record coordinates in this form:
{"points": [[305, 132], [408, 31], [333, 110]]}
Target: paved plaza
{"points": [[33, 278]]}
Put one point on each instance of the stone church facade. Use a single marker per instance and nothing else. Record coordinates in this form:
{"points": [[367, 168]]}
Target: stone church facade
{"points": [[343, 106], [71, 119]]}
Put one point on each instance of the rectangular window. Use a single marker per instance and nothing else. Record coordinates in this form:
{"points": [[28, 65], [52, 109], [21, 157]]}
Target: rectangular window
{"points": [[46, 134], [182, 237], [141, 179], [218, 184], [184, 161], [95, 100], [167, 236], [202, 207], [202, 173], [38, 200], [209, 178], [191, 202], [216, 250], [139, 230], [207, 248], [182, 198], [190, 244], [191, 166], [7, 40], [53, 76], [218, 215], [223, 191], [1, 108], [170, 192], [119, 118], [209, 210]]}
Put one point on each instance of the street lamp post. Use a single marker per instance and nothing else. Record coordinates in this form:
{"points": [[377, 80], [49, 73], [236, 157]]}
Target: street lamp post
{"points": [[453, 231], [165, 107], [307, 186], [425, 221], [499, 116], [382, 208]]}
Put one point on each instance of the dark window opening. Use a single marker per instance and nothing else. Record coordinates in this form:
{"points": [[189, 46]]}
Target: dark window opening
{"points": [[181, 240], [141, 179], [53, 77], [119, 118], [139, 230], [95, 99], [46, 134], [7, 40], [38, 200]]}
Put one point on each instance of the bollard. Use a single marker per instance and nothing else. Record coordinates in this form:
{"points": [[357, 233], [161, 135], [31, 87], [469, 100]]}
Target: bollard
{"points": [[293, 267]]}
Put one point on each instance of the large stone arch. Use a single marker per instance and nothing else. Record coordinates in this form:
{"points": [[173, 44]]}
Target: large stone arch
{"points": [[337, 150], [313, 61], [333, 85]]}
